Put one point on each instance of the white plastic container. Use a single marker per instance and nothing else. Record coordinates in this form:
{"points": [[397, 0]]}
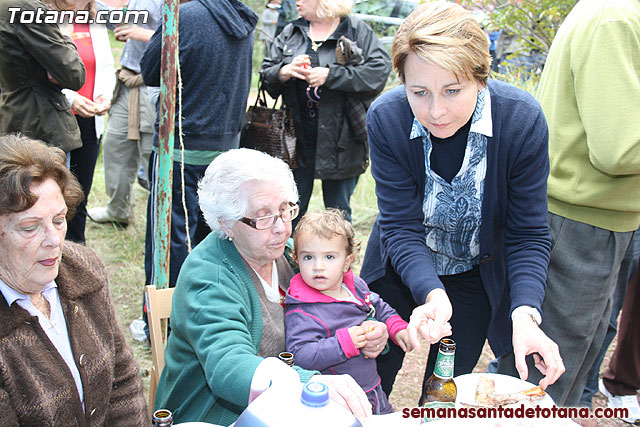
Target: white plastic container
{"points": [[307, 406]]}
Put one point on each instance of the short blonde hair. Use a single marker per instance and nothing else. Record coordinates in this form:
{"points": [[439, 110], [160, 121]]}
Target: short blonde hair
{"points": [[327, 224], [447, 35], [328, 9]]}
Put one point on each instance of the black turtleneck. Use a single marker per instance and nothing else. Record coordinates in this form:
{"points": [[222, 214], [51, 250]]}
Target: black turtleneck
{"points": [[447, 154]]}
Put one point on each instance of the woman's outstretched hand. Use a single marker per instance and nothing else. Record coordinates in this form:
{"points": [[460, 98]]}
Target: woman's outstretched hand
{"points": [[528, 338], [431, 320]]}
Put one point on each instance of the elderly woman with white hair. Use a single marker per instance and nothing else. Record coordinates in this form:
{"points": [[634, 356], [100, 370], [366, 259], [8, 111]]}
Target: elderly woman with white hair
{"points": [[227, 315]]}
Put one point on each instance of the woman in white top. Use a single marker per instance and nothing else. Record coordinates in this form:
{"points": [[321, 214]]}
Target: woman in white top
{"points": [[90, 102]]}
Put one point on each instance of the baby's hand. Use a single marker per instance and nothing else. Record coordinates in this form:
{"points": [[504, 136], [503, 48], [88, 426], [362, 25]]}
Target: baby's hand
{"points": [[402, 337], [358, 335]]}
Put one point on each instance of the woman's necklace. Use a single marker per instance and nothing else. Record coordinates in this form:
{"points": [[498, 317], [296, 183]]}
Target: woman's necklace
{"points": [[316, 44], [42, 304]]}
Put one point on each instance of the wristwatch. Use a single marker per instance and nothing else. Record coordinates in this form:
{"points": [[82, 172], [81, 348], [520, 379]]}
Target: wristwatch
{"points": [[533, 313]]}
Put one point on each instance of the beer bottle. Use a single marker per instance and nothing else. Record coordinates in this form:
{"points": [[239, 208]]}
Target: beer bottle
{"points": [[286, 357], [440, 389], [162, 418]]}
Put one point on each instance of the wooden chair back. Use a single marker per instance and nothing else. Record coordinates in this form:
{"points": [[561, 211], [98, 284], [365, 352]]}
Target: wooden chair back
{"points": [[158, 312]]}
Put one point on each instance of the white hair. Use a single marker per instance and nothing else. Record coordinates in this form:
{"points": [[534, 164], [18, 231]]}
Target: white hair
{"points": [[222, 191]]}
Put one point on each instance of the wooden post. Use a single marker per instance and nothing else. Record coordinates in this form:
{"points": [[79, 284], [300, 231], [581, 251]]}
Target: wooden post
{"points": [[166, 135]]}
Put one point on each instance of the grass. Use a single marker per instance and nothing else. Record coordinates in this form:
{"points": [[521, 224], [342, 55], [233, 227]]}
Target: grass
{"points": [[122, 250]]}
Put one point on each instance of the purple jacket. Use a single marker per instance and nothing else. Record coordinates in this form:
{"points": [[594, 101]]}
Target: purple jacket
{"points": [[317, 326]]}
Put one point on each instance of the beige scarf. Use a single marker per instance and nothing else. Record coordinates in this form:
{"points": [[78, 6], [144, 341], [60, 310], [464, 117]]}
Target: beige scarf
{"points": [[133, 81]]}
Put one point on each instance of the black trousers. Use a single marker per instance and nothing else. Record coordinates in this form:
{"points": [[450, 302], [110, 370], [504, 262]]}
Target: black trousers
{"points": [[82, 164], [470, 322]]}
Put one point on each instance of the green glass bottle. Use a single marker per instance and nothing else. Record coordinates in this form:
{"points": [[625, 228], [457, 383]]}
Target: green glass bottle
{"points": [[440, 389]]}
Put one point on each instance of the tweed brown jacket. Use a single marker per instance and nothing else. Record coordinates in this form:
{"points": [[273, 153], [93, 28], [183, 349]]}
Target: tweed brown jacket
{"points": [[36, 386]]}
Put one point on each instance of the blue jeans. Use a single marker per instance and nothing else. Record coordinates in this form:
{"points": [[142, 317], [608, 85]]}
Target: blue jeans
{"points": [[627, 270]]}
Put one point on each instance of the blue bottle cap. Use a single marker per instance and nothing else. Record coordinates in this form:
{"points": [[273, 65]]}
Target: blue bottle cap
{"points": [[315, 395]]}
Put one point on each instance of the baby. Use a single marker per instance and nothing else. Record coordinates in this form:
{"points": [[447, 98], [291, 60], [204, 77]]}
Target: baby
{"points": [[326, 305]]}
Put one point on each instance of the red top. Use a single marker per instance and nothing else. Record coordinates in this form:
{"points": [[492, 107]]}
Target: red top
{"points": [[82, 39]]}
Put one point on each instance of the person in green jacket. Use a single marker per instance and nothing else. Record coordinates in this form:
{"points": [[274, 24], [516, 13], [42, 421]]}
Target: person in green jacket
{"points": [[227, 319], [36, 63], [589, 92]]}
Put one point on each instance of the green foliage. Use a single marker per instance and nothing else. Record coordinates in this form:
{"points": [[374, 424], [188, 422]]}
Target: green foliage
{"points": [[257, 5], [383, 30], [534, 22], [528, 29]]}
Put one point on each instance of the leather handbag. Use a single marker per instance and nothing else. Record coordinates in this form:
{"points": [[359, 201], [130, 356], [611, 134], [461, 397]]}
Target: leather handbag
{"points": [[348, 53], [270, 130]]}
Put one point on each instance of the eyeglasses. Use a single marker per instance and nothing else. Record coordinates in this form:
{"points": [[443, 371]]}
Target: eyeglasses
{"points": [[265, 222]]}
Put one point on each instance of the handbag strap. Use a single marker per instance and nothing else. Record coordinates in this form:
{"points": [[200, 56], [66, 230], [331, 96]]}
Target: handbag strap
{"points": [[261, 98]]}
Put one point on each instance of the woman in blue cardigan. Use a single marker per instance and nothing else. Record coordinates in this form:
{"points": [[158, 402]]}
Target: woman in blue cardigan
{"points": [[460, 164]]}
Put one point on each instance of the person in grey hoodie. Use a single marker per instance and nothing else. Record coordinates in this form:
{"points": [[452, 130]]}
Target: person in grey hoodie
{"points": [[216, 47]]}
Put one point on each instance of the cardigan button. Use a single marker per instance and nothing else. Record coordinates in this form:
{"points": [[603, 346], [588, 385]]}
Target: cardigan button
{"points": [[75, 310], [82, 360], [93, 411], [486, 259]]}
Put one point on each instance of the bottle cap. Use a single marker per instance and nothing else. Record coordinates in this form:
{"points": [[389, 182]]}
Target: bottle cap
{"points": [[162, 418], [315, 395], [286, 357], [447, 345]]}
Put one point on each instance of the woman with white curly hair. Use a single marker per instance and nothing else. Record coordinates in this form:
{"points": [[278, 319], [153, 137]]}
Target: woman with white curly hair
{"points": [[227, 316]]}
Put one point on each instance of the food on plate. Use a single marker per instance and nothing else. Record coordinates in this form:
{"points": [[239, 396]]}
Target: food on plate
{"points": [[486, 387], [487, 397], [532, 395]]}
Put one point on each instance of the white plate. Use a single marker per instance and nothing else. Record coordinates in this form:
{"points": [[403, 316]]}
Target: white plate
{"points": [[196, 424], [466, 385]]}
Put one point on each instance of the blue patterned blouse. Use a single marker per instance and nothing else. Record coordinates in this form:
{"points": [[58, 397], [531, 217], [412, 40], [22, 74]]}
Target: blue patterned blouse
{"points": [[453, 211]]}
